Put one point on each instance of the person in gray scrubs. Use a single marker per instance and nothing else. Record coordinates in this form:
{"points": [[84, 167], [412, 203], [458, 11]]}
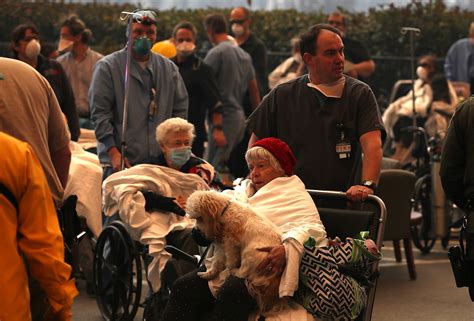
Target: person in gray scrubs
{"points": [[234, 73]]}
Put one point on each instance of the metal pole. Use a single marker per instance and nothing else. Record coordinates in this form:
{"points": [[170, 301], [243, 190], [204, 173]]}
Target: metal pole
{"points": [[412, 32], [123, 144]]}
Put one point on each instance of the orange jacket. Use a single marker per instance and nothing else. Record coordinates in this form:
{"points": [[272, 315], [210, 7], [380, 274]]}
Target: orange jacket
{"points": [[32, 231]]}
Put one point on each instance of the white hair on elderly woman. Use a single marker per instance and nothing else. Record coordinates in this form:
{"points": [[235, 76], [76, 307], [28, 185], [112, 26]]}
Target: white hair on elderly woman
{"points": [[257, 153], [172, 126]]}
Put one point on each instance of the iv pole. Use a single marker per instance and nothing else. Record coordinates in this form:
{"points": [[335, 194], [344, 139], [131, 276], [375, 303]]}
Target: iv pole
{"points": [[412, 32], [130, 16]]}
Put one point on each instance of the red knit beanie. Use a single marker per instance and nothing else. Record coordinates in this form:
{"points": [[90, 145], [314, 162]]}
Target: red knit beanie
{"points": [[281, 151]]}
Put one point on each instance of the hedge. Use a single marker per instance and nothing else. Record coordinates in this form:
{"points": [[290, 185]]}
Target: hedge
{"points": [[378, 29]]}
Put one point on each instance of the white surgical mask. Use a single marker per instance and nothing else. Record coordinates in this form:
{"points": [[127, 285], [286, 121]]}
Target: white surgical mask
{"points": [[185, 48], [64, 44], [238, 30], [33, 49], [422, 73]]}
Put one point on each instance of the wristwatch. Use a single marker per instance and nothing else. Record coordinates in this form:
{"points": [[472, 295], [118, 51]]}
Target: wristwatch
{"points": [[370, 184]]}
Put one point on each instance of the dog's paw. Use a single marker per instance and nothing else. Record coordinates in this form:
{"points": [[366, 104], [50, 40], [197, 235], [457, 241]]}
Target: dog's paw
{"points": [[208, 275], [239, 272]]}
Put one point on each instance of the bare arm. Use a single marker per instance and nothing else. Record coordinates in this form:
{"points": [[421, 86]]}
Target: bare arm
{"points": [[217, 130], [61, 161], [371, 144]]}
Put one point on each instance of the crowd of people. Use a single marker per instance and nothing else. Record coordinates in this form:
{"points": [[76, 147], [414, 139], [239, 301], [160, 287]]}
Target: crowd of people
{"points": [[311, 123]]}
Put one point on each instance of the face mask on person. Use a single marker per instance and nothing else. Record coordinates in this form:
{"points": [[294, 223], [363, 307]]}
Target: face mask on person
{"points": [[179, 156], [32, 49], [422, 73], [142, 46], [238, 30], [185, 48], [64, 45]]}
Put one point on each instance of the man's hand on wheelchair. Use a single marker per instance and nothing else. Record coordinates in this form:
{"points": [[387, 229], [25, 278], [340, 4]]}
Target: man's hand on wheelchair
{"points": [[157, 202], [275, 262], [359, 193]]}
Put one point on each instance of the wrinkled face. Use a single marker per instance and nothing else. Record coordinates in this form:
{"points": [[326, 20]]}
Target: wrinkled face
{"points": [[140, 30], [327, 65], [176, 140], [261, 173]]}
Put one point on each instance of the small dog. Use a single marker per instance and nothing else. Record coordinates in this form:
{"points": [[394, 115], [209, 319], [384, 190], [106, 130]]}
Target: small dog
{"points": [[237, 232]]}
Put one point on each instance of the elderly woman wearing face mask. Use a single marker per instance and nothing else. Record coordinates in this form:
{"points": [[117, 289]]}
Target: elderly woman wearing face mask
{"points": [[274, 192], [26, 47], [175, 137], [399, 114]]}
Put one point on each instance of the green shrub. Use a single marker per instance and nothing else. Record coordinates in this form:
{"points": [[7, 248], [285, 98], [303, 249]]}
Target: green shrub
{"points": [[378, 29]]}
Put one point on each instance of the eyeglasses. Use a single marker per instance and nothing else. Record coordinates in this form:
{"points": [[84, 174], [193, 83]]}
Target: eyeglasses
{"points": [[237, 21]]}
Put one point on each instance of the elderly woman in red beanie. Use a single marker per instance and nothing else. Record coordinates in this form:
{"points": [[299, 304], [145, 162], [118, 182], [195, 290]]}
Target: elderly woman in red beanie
{"points": [[273, 191]]}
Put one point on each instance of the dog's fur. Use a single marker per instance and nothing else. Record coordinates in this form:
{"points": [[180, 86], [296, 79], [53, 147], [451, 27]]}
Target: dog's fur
{"points": [[237, 234]]}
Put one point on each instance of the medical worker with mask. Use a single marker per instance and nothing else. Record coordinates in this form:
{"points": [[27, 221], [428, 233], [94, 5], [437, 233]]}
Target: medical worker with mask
{"points": [[27, 48], [156, 93]]}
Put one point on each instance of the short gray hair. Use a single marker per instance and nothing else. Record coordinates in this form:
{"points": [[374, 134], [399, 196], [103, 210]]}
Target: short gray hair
{"points": [[171, 126], [259, 153]]}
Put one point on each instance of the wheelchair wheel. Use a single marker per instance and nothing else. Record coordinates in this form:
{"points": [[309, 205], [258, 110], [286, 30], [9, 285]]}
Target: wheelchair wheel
{"points": [[422, 237], [117, 273]]}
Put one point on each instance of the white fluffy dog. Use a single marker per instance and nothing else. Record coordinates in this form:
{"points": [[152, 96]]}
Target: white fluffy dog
{"points": [[237, 232]]}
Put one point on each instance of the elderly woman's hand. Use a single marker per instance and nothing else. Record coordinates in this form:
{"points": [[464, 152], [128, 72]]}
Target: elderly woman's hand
{"points": [[275, 262], [181, 202]]}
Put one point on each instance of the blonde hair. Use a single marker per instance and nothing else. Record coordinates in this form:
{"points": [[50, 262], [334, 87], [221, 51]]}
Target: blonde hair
{"points": [[259, 153], [171, 126]]}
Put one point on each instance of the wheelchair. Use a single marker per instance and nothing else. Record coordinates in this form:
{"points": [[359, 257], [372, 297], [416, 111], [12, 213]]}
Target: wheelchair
{"points": [[429, 199], [119, 260]]}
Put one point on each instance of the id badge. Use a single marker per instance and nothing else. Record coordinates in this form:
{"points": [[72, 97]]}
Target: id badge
{"points": [[343, 150], [343, 145]]}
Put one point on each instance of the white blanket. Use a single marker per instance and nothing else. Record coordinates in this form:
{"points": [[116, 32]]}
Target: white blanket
{"points": [[122, 194], [286, 203], [85, 180]]}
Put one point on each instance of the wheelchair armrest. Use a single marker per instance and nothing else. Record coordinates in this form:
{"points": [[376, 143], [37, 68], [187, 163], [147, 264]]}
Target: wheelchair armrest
{"points": [[178, 254]]}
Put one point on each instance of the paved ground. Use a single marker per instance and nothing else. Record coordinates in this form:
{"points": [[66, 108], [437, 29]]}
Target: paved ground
{"points": [[433, 296]]}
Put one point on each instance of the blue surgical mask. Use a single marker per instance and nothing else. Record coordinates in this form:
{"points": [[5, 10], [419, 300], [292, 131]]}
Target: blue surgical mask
{"points": [[179, 156], [142, 46]]}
